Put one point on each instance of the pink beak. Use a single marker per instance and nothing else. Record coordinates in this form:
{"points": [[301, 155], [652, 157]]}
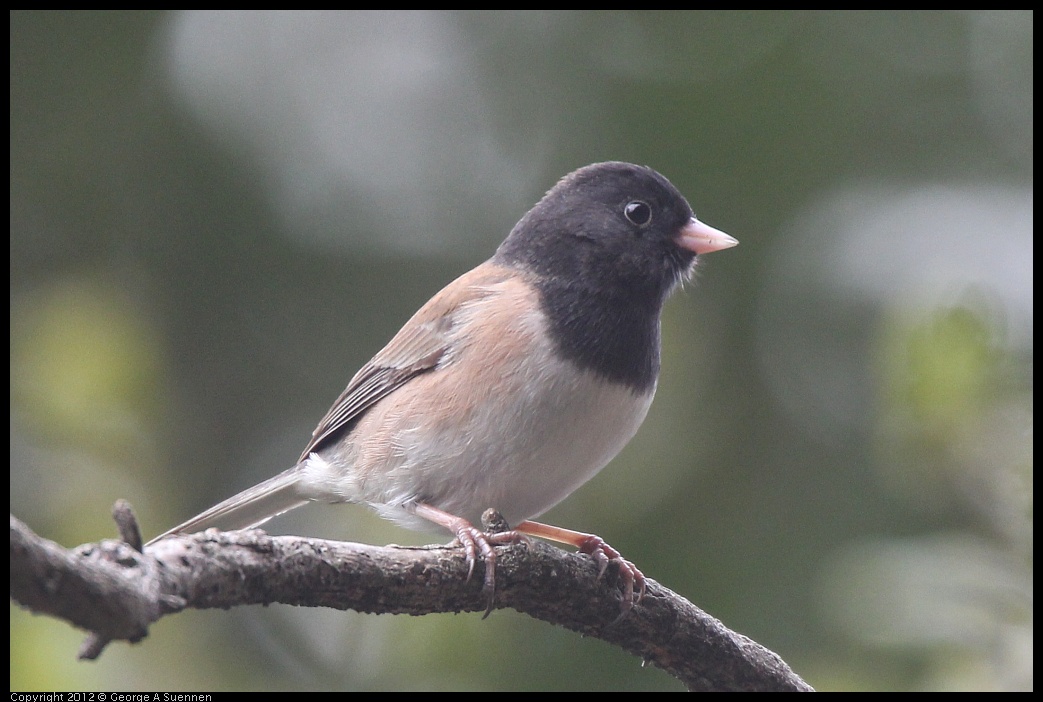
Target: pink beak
{"points": [[702, 238]]}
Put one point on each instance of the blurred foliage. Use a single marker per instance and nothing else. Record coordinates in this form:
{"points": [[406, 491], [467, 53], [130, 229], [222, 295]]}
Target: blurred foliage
{"points": [[958, 598], [88, 370], [216, 217]]}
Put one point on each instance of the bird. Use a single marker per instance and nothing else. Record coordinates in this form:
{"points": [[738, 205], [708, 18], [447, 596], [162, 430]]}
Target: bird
{"points": [[512, 386]]}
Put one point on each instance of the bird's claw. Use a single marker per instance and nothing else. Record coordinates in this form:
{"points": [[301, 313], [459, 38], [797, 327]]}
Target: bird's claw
{"points": [[603, 555], [475, 543]]}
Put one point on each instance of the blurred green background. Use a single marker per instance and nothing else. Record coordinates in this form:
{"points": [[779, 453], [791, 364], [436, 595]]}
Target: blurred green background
{"points": [[216, 218]]}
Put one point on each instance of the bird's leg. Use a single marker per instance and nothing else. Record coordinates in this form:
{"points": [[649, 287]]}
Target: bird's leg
{"points": [[601, 552], [475, 543]]}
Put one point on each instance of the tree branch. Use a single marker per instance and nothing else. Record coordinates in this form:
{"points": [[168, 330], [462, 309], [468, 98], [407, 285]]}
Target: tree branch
{"points": [[115, 592]]}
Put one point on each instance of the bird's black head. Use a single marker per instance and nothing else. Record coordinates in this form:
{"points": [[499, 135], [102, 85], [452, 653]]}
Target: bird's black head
{"points": [[604, 247], [611, 228]]}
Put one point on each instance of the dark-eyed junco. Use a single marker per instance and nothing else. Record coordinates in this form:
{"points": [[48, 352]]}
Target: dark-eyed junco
{"points": [[516, 383]]}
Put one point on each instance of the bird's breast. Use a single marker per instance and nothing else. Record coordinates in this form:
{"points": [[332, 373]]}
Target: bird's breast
{"points": [[505, 421]]}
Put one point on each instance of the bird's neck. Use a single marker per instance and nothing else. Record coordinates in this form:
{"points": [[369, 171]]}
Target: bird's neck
{"points": [[615, 336]]}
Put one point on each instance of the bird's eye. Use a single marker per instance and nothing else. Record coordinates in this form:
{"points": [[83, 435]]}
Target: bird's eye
{"points": [[638, 212]]}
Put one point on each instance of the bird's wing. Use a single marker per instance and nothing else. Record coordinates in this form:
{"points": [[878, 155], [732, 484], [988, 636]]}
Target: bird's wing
{"points": [[419, 347]]}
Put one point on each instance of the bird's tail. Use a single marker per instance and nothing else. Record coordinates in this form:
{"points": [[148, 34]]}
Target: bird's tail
{"points": [[251, 507]]}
